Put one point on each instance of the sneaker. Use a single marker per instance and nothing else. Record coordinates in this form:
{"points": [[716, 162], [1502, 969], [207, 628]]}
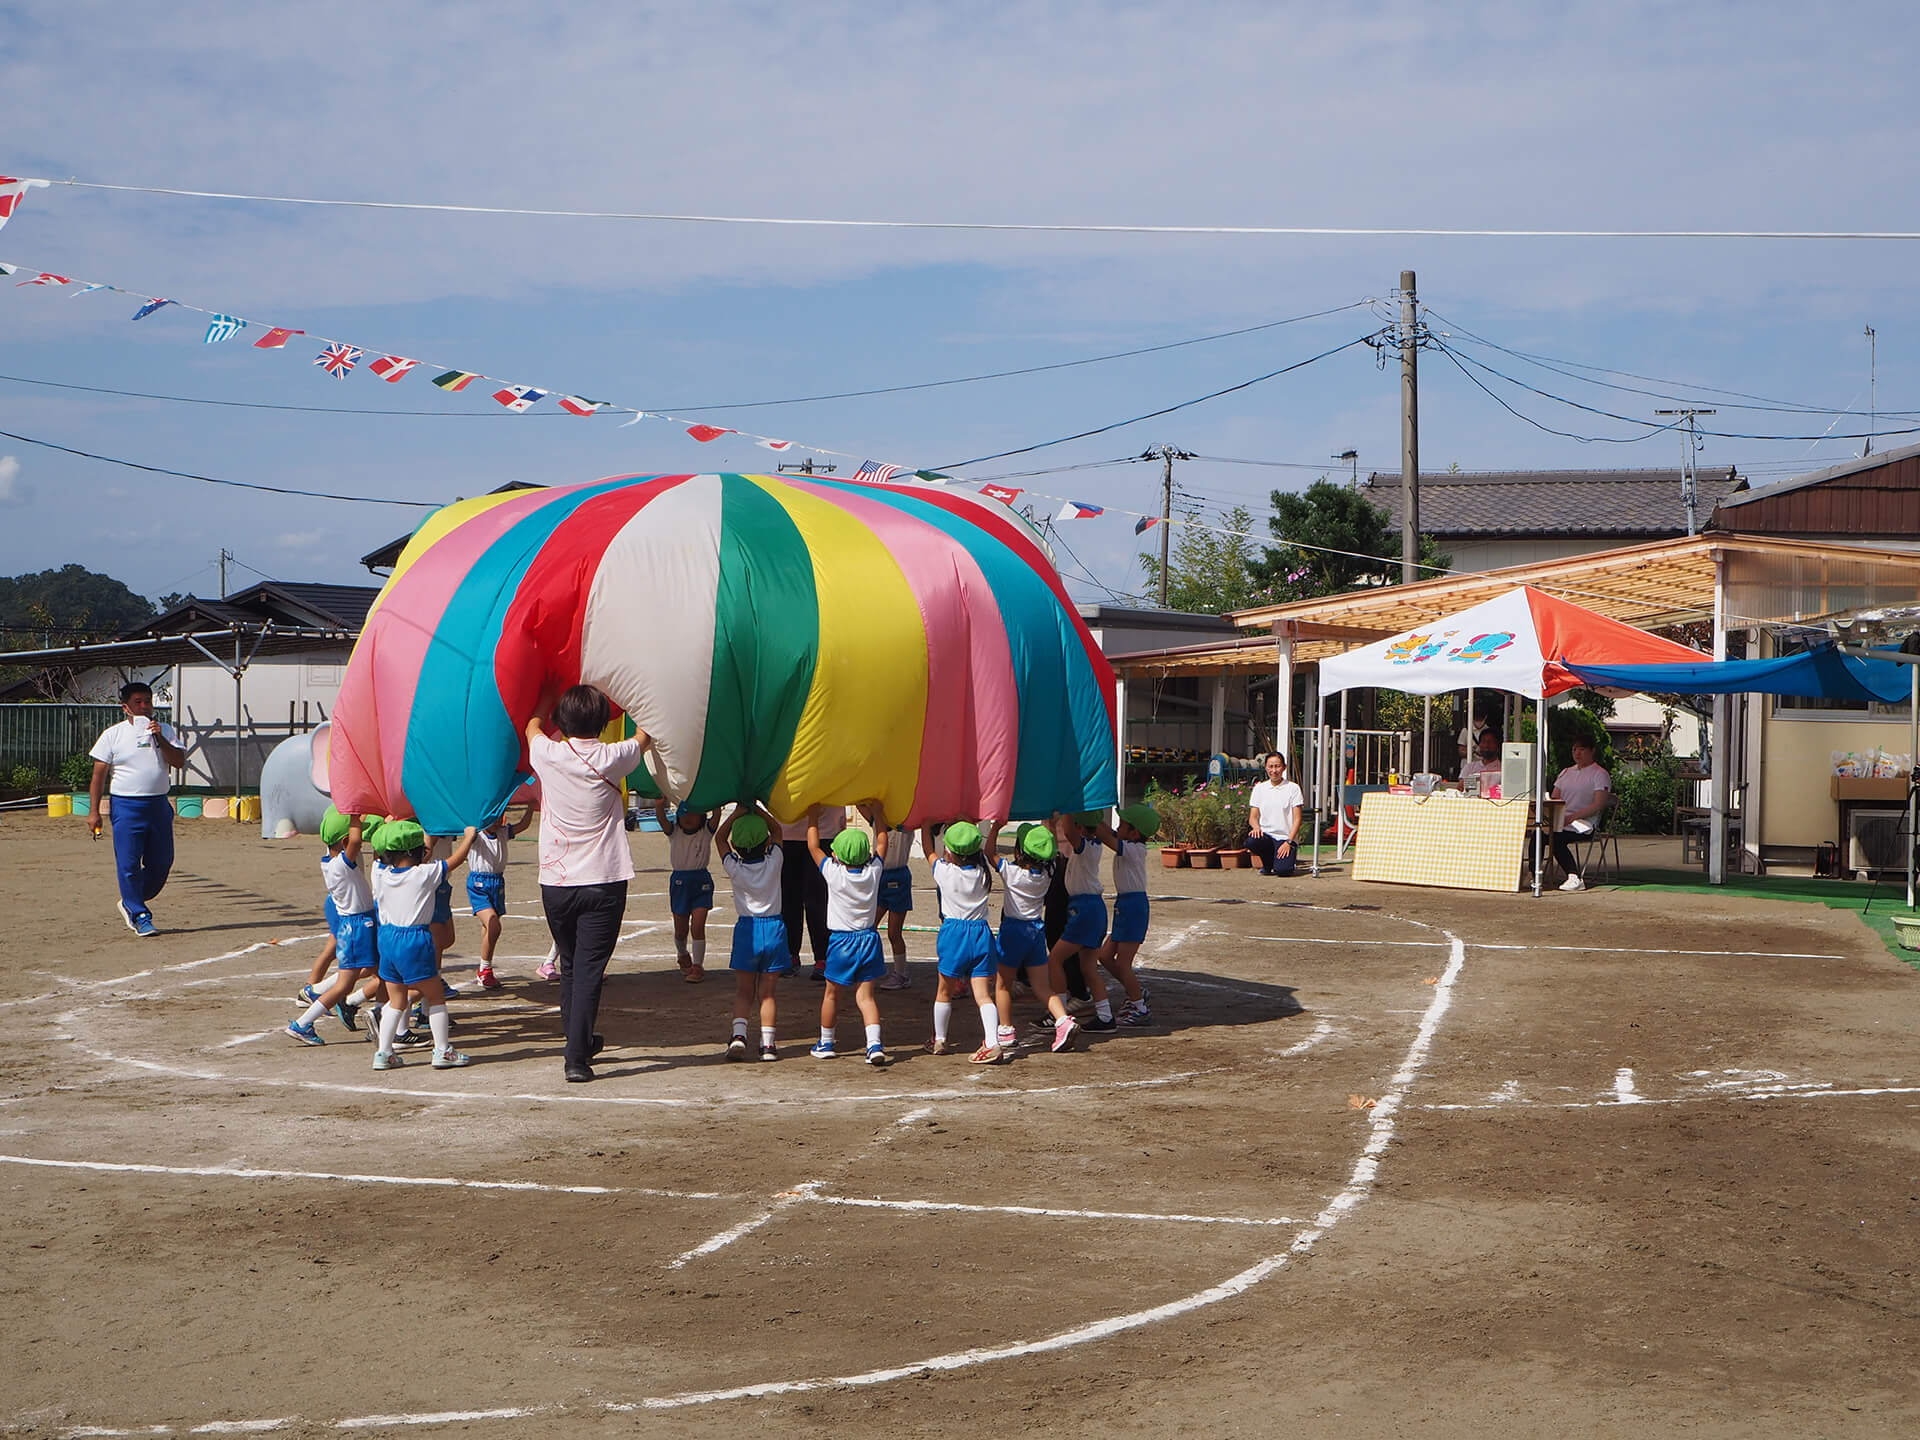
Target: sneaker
{"points": [[412, 1040], [1077, 1007], [896, 980], [548, 970], [126, 919], [488, 980], [1094, 1022], [306, 995], [450, 1059], [986, 1055], [818, 974], [387, 1060], [373, 1026], [877, 1056], [1573, 882], [937, 1046], [1065, 1032], [822, 1050], [737, 1048], [769, 1052], [305, 1034], [1136, 1015], [1008, 1037], [1044, 1025], [347, 1013], [146, 930], [448, 990]]}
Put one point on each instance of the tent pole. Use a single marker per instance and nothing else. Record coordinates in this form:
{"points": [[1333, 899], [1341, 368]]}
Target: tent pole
{"points": [[1340, 788], [1913, 753], [1426, 734], [1320, 778], [1539, 787]]}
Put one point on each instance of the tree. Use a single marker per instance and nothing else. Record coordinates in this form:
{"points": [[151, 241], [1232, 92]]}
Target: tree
{"points": [[1331, 539], [1209, 565], [66, 606]]}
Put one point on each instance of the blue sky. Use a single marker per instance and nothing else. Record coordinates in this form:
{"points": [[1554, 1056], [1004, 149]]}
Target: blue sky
{"points": [[1620, 115]]}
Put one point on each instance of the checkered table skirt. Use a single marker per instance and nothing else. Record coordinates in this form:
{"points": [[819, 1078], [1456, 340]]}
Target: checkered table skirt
{"points": [[1444, 839]]}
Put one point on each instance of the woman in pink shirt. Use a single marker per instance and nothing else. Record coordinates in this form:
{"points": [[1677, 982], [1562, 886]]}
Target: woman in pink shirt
{"points": [[1586, 787], [585, 863]]}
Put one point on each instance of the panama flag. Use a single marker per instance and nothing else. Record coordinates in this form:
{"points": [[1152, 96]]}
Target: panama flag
{"points": [[12, 192], [1145, 523], [223, 327], [1074, 510], [457, 379], [576, 405], [1004, 494], [704, 433], [774, 444], [391, 367], [274, 339], [519, 397], [152, 305]]}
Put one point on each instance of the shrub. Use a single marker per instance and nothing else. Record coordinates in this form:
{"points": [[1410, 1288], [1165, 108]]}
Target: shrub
{"points": [[1208, 823], [23, 777], [1645, 799], [1172, 806], [76, 771]]}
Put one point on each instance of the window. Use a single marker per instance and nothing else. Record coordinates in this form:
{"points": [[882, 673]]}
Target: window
{"points": [[1811, 707]]}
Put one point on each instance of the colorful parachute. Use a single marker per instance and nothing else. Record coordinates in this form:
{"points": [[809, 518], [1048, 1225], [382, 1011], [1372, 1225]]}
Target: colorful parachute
{"points": [[802, 641]]}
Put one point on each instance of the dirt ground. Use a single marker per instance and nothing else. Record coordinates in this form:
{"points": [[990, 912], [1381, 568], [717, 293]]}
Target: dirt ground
{"points": [[1636, 1163]]}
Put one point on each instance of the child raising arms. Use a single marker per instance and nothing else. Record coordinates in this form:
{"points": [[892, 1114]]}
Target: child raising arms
{"points": [[852, 873], [1081, 838], [753, 863], [690, 888], [403, 890], [966, 945], [487, 886], [1027, 874], [1138, 824], [350, 906]]}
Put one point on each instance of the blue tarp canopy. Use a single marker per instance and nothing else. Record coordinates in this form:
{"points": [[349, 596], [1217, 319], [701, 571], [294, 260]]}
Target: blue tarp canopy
{"points": [[1819, 674]]}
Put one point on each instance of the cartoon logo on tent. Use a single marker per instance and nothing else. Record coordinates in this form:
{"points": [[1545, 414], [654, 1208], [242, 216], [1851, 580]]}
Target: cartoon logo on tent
{"points": [[1482, 647], [1417, 648]]}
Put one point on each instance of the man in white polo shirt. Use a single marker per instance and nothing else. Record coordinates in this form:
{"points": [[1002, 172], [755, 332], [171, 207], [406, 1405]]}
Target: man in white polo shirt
{"points": [[139, 754]]}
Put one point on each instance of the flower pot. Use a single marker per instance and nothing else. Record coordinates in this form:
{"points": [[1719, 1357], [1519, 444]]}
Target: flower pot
{"points": [[1173, 856], [1235, 859], [1204, 859]]}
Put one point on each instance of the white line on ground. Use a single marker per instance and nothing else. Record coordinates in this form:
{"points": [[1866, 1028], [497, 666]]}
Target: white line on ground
{"points": [[1043, 1211], [231, 1172], [1623, 1091], [915, 1116], [1623, 950], [1770, 1092], [1313, 940], [1321, 1030], [802, 1191], [248, 1039]]}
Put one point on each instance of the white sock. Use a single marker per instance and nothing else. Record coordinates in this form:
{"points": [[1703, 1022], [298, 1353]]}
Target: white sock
{"points": [[700, 952], [873, 1036], [990, 1023], [441, 1024], [900, 957], [740, 1028], [942, 1018], [390, 1018], [1103, 1009], [826, 1037], [314, 1012], [766, 1035]]}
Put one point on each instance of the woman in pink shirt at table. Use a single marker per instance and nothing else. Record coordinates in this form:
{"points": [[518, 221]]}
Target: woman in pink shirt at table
{"points": [[1585, 787], [585, 862]]}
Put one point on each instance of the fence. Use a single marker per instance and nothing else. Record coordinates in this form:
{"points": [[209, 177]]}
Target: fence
{"points": [[43, 736]]}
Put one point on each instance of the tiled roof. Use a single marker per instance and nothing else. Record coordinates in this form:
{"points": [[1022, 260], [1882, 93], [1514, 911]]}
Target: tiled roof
{"points": [[1544, 503]]}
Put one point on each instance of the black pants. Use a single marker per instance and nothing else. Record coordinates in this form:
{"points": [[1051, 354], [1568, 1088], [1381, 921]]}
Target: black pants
{"points": [[1563, 852], [803, 891], [585, 922], [1271, 863]]}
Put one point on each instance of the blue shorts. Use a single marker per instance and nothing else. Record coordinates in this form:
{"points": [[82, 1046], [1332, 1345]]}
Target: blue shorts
{"points": [[1022, 942], [966, 948], [896, 891], [1086, 921], [1130, 917], [354, 942], [406, 954], [690, 890], [486, 892], [760, 945], [443, 903], [854, 956]]}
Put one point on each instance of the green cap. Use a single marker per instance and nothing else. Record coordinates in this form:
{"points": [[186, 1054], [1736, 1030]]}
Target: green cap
{"points": [[1090, 819], [748, 831], [1143, 818], [962, 837], [370, 827], [400, 836], [852, 848], [334, 827], [1037, 841]]}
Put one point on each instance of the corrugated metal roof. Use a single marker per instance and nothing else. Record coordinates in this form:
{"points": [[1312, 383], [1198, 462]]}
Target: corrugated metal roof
{"points": [[1817, 477], [1547, 503]]}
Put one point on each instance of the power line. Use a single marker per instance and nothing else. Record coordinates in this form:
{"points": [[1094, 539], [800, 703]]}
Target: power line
{"points": [[263, 405], [1385, 232], [212, 480]]}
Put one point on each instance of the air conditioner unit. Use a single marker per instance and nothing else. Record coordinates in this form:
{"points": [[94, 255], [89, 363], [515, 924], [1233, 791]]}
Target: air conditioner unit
{"points": [[1877, 840], [1516, 770]]}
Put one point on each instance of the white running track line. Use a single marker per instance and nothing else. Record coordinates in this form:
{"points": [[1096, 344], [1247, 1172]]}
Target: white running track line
{"points": [[1045, 1212], [1766, 1092], [803, 1191], [1623, 1090]]}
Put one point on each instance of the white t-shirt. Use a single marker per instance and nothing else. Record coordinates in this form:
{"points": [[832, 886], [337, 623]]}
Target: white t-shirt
{"points": [[833, 820], [853, 896], [1083, 867], [138, 768], [1130, 868], [583, 835], [899, 849], [405, 896], [488, 856], [347, 884], [756, 887], [1473, 765], [963, 890], [1026, 890], [1580, 786], [1278, 807], [689, 851]]}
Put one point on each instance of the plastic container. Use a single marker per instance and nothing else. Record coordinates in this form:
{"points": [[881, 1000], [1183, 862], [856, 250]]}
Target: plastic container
{"points": [[58, 805], [245, 807], [215, 807], [78, 804], [189, 806]]}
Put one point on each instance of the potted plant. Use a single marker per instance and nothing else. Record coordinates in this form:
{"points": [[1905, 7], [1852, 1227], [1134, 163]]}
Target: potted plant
{"points": [[1172, 807], [1237, 801], [1206, 828]]}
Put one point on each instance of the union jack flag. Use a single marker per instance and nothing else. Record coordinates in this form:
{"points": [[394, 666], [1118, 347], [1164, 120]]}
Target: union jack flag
{"points": [[337, 360], [870, 471]]}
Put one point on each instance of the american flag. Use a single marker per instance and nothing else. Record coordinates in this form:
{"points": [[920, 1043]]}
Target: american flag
{"points": [[870, 471], [337, 360], [224, 327]]}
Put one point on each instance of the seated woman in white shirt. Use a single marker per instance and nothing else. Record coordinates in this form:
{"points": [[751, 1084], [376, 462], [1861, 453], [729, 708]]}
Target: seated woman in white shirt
{"points": [[1273, 817]]}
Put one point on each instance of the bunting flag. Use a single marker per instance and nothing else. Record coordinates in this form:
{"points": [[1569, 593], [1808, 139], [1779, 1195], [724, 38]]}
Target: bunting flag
{"points": [[1002, 493], [12, 192], [274, 339], [45, 277], [91, 285], [1075, 510], [519, 397], [869, 470], [391, 368], [457, 379], [704, 433], [1145, 523], [152, 305], [774, 444], [338, 359], [932, 477], [223, 327], [577, 405], [9, 269]]}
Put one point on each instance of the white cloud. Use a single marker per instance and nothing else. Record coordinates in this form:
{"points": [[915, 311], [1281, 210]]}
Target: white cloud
{"points": [[13, 491]]}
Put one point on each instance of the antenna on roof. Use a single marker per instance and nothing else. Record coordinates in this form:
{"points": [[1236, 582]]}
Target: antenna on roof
{"points": [[1873, 391], [1689, 490]]}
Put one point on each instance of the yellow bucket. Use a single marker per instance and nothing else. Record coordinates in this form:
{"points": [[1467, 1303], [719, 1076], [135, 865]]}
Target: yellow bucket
{"points": [[245, 807], [58, 805]]}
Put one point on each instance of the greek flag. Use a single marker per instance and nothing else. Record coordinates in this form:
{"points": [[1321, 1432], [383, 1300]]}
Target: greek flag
{"points": [[224, 327]]}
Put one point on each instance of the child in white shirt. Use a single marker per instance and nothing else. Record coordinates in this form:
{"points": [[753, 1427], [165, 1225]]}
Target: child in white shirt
{"points": [[1082, 838], [487, 886], [690, 887], [852, 873], [760, 955], [404, 885], [1027, 875], [1138, 824], [350, 916], [967, 949]]}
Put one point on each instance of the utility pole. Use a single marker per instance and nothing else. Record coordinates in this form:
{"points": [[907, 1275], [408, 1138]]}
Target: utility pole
{"points": [[1166, 454], [1873, 391], [1352, 457], [1409, 431], [1689, 484], [225, 556]]}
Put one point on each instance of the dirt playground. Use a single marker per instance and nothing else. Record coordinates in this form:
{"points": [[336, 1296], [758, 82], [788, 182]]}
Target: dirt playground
{"points": [[1389, 1162]]}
